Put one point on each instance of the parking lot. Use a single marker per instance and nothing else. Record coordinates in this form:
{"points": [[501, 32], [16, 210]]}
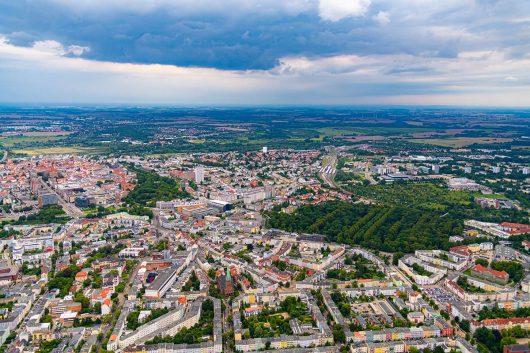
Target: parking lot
{"points": [[439, 295]]}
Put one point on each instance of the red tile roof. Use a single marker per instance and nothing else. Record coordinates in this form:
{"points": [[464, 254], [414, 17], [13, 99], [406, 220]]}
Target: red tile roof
{"points": [[500, 274]]}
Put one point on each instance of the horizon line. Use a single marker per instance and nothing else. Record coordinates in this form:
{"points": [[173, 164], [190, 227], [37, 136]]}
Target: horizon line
{"points": [[253, 106]]}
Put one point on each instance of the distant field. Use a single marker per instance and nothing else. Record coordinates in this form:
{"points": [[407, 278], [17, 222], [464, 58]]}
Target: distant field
{"points": [[388, 131], [229, 128], [37, 133], [58, 150], [258, 141], [10, 141], [332, 131], [364, 138], [461, 141]]}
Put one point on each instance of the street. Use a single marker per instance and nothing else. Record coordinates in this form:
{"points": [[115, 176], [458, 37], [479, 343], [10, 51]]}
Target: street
{"points": [[70, 209]]}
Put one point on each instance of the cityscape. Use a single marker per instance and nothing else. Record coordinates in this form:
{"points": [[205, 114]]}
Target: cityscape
{"points": [[265, 176], [345, 240]]}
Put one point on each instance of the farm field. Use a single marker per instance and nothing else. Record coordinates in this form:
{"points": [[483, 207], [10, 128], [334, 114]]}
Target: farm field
{"points": [[459, 142]]}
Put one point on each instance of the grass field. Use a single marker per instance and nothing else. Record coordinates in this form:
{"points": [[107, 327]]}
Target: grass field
{"points": [[488, 196], [58, 150], [258, 141], [332, 131], [459, 142]]}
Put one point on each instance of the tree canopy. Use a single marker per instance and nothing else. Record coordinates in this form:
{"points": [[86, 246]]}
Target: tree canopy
{"points": [[386, 228], [153, 187]]}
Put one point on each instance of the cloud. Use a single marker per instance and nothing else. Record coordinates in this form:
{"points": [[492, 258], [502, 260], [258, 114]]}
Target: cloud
{"points": [[256, 34], [55, 48], [267, 51], [344, 79], [49, 46], [77, 50], [189, 7], [382, 17], [336, 10]]}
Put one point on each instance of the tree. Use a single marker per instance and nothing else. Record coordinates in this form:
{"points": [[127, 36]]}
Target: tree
{"points": [[338, 334], [387, 228], [396, 256], [464, 325], [152, 187], [507, 341], [211, 272], [120, 287], [488, 338], [514, 269], [80, 298], [482, 262]]}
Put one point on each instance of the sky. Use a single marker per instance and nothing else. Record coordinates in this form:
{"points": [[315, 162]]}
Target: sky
{"points": [[266, 52]]}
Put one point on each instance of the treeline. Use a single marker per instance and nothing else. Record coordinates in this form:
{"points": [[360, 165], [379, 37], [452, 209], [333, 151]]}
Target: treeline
{"points": [[493, 341], [385, 228], [496, 312], [435, 196]]}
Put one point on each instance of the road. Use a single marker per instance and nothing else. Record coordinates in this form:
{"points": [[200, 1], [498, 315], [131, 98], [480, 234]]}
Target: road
{"points": [[368, 176], [401, 275], [227, 325], [282, 178], [6, 153], [70, 209], [121, 299]]}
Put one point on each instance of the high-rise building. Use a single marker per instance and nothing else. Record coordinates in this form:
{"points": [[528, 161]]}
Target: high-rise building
{"points": [[467, 169], [35, 184], [48, 199], [199, 174], [496, 169], [265, 149], [436, 168]]}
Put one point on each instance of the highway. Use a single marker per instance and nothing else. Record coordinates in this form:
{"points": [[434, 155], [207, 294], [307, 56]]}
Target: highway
{"points": [[70, 209]]}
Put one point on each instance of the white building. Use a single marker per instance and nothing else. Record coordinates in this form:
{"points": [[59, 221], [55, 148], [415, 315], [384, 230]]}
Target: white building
{"points": [[199, 174]]}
